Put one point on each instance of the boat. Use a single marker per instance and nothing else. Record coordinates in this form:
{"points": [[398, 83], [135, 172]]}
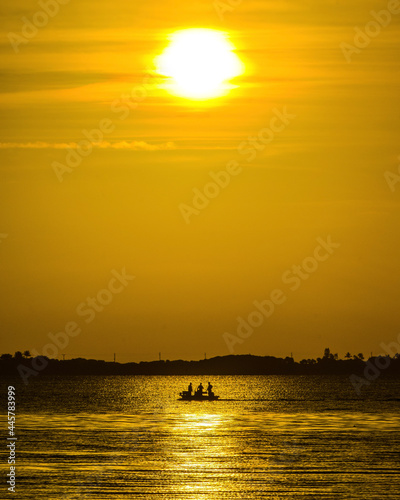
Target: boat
{"points": [[186, 396]]}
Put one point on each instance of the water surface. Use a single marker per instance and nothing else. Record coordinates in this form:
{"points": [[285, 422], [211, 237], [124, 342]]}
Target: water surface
{"points": [[276, 437]]}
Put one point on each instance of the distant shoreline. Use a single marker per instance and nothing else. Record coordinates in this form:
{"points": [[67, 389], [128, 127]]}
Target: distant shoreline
{"points": [[30, 367]]}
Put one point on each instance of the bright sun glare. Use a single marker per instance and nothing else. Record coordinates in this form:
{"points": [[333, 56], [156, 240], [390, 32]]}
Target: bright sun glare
{"points": [[199, 63]]}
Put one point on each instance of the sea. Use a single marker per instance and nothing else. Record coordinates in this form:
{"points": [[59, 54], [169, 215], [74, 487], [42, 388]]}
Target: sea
{"points": [[275, 437]]}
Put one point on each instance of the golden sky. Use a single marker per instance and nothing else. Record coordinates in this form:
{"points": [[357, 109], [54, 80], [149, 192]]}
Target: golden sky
{"points": [[336, 116]]}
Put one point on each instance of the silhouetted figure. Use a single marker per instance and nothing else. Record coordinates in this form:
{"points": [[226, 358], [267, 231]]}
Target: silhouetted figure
{"points": [[200, 389], [209, 390], [190, 389]]}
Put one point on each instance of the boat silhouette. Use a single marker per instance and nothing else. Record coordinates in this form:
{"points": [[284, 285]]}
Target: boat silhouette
{"points": [[204, 396], [199, 395]]}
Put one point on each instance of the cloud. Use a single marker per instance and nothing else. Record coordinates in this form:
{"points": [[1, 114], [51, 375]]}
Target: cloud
{"points": [[137, 145], [127, 145]]}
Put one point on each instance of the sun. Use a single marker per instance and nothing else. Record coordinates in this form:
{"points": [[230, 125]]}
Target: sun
{"points": [[199, 64]]}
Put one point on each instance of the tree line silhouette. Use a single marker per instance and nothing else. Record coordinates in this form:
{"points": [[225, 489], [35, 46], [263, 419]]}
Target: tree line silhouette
{"points": [[329, 363]]}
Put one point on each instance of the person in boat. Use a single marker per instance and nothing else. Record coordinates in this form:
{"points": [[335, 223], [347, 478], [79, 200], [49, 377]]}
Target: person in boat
{"points": [[209, 390], [190, 389], [200, 389]]}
